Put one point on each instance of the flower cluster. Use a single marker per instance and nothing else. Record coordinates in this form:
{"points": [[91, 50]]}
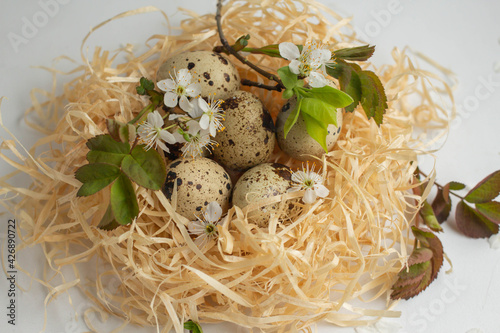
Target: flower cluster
{"points": [[195, 129], [310, 62]]}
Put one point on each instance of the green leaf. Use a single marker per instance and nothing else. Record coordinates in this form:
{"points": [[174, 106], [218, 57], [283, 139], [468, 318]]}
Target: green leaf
{"points": [[119, 131], [294, 115], [95, 177], [321, 111], [316, 129], [354, 90], [193, 326], [455, 186], [108, 221], [359, 53], [490, 210], [420, 255], [373, 98], [427, 214], [288, 78], [287, 94], [241, 42], [269, 50], [123, 200], [140, 90], [332, 96], [145, 167], [104, 149], [473, 224], [487, 190], [147, 84], [349, 81]]}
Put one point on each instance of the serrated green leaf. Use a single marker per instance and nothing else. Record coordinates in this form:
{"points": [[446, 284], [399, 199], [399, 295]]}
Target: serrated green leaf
{"points": [[317, 130], [487, 190], [123, 200], [145, 167], [269, 50], [427, 214], [332, 96], [321, 111], [106, 143], [473, 224], [292, 118], [354, 90], [108, 221], [193, 326], [490, 210], [349, 81], [455, 186], [415, 270], [358, 53], [288, 78], [441, 206], [95, 177], [373, 98], [104, 149], [419, 256], [117, 130]]}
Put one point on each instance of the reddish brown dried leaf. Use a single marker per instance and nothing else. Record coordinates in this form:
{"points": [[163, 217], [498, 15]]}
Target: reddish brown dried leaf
{"points": [[487, 190], [441, 206], [490, 210], [472, 224], [419, 256]]}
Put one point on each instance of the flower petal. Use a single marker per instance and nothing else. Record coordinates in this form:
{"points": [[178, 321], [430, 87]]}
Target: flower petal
{"points": [[204, 121], [194, 127], [289, 51], [213, 129], [167, 85], [155, 119], [321, 191], [294, 66], [185, 104], [162, 146], [193, 90], [170, 99], [196, 111], [167, 137], [203, 104], [184, 77], [213, 212], [309, 196], [317, 80]]}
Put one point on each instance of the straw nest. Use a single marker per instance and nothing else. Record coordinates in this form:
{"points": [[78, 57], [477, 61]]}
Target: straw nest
{"points": [[283, 278]]}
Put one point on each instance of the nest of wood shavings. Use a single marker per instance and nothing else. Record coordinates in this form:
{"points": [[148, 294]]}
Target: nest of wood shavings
{"points": [[284, 278]]}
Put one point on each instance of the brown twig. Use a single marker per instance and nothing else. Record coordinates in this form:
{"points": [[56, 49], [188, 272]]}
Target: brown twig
{"points": [[439, 186], [238, 56], [250, 83]]}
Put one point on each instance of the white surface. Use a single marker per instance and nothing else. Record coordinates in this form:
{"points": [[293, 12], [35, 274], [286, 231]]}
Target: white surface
{"points": [[461, 35]]}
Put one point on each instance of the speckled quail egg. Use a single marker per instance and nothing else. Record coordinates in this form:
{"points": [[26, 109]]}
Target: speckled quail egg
{"points": [[199, 181], [263, 181], [248, 139], [215, 73], [298, 143]]}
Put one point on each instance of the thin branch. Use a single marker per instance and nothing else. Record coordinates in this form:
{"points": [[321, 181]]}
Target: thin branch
{"points": [[439, 186], [238, 56], [250, 83]]}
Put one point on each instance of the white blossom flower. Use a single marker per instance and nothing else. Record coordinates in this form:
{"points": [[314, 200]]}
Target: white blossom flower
{"points": [[152, 134], [195, 140], [309, 62], [311, 182], [206, 227], [212, 116], [179, 89]]}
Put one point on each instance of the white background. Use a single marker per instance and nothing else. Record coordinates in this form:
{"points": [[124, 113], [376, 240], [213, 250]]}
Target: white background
{"points": [[461, 35]]}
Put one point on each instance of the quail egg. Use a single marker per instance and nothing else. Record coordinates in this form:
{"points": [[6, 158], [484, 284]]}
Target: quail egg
{"points": [[215, 73], [263, 181], [248, 139], [298, 143], [199, 181]]}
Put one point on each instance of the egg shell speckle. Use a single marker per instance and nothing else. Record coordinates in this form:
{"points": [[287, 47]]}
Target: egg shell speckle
{"points": [[248, 139], [215, 73], [298, 143], [199, 181], [263, 181]]}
